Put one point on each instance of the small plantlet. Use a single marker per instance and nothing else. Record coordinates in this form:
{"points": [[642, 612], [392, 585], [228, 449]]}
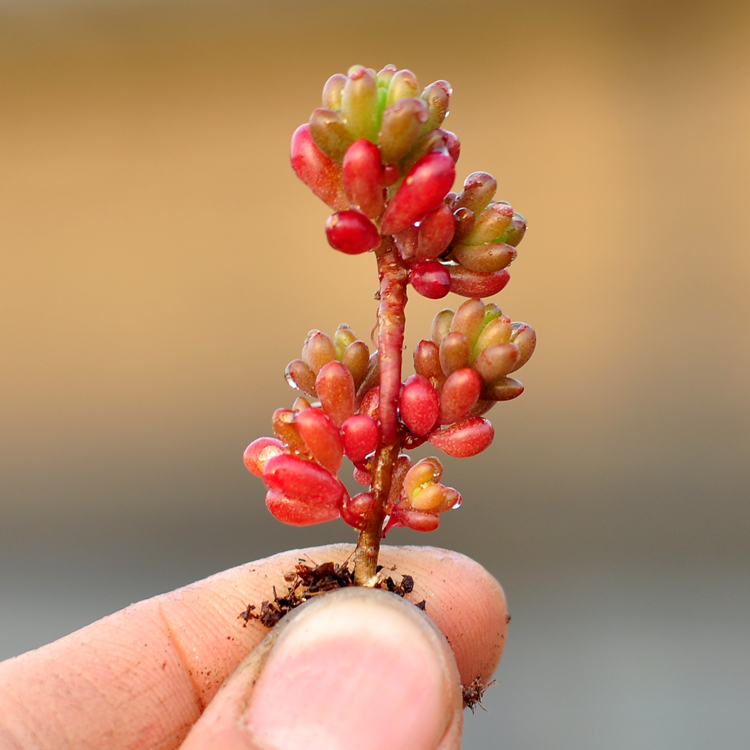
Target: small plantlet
{"points": [[376, 153]]}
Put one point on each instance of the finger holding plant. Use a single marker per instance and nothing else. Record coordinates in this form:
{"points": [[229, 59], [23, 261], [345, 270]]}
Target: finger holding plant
{"points": [[377, 154]]}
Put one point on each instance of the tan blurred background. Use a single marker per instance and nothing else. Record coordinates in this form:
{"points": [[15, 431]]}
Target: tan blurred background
{"points": [[160, 265]]}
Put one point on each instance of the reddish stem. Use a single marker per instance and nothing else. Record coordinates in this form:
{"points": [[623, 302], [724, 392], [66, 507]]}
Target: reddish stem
{"points": [[391, 324], [368, 544]]}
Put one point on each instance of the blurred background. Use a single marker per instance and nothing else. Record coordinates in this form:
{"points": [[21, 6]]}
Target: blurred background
{"points": [[160, 265]]}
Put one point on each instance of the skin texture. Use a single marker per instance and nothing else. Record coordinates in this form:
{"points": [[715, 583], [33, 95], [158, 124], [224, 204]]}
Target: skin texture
{"points": [[143, 677]]}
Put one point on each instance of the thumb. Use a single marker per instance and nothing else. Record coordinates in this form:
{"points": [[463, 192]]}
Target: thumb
{"points": [[356, 668]]}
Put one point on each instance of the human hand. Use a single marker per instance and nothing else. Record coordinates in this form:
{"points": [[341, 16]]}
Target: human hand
{"points": [[358, 668]]}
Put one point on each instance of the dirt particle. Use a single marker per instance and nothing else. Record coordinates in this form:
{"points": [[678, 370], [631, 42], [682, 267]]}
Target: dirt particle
{"points": [[474, 692]]}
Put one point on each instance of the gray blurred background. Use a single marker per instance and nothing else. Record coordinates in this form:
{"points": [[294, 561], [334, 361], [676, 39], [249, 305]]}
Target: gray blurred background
{"points": [[160, 265]]}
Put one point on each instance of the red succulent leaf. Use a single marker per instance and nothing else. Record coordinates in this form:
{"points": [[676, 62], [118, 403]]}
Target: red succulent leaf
{"points": [[459, 394], [321, 437], [422, 191], [360, 434], [260, 451], [435, 233], [351, 232], [335, 387], [430, 279], [298, 512], [355, 510], [419, 404], [363, 177], [321, 174], [303, 480], [465, 438], [418, 520], [470, 283]]}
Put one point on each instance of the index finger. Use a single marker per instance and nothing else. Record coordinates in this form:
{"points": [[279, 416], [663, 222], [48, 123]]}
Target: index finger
{"points": [[140, 678]]}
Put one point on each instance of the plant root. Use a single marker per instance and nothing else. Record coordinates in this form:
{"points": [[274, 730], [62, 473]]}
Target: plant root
{"points": [[474, 692], [309, 580]]}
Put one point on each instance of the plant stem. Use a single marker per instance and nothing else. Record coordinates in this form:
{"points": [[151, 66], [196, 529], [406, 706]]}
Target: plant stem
{"points": [[368, 544], [391, 324]]}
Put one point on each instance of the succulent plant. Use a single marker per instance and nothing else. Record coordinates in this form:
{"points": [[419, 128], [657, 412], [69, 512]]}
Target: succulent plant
{"points": [[377, 154]]}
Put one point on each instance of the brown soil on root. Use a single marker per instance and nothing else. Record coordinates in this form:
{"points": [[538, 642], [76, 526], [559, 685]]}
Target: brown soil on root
{"points": [[309, 580]]}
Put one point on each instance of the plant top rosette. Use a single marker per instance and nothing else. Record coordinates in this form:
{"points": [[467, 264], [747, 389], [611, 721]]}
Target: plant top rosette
{"points": [[377, 154]]}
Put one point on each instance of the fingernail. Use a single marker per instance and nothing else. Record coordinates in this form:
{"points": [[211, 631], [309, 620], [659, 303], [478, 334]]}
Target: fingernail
{"points": [[357, 668]]}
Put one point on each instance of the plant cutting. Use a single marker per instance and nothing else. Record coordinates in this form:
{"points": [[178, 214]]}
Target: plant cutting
{"points": [[376, 153]]}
